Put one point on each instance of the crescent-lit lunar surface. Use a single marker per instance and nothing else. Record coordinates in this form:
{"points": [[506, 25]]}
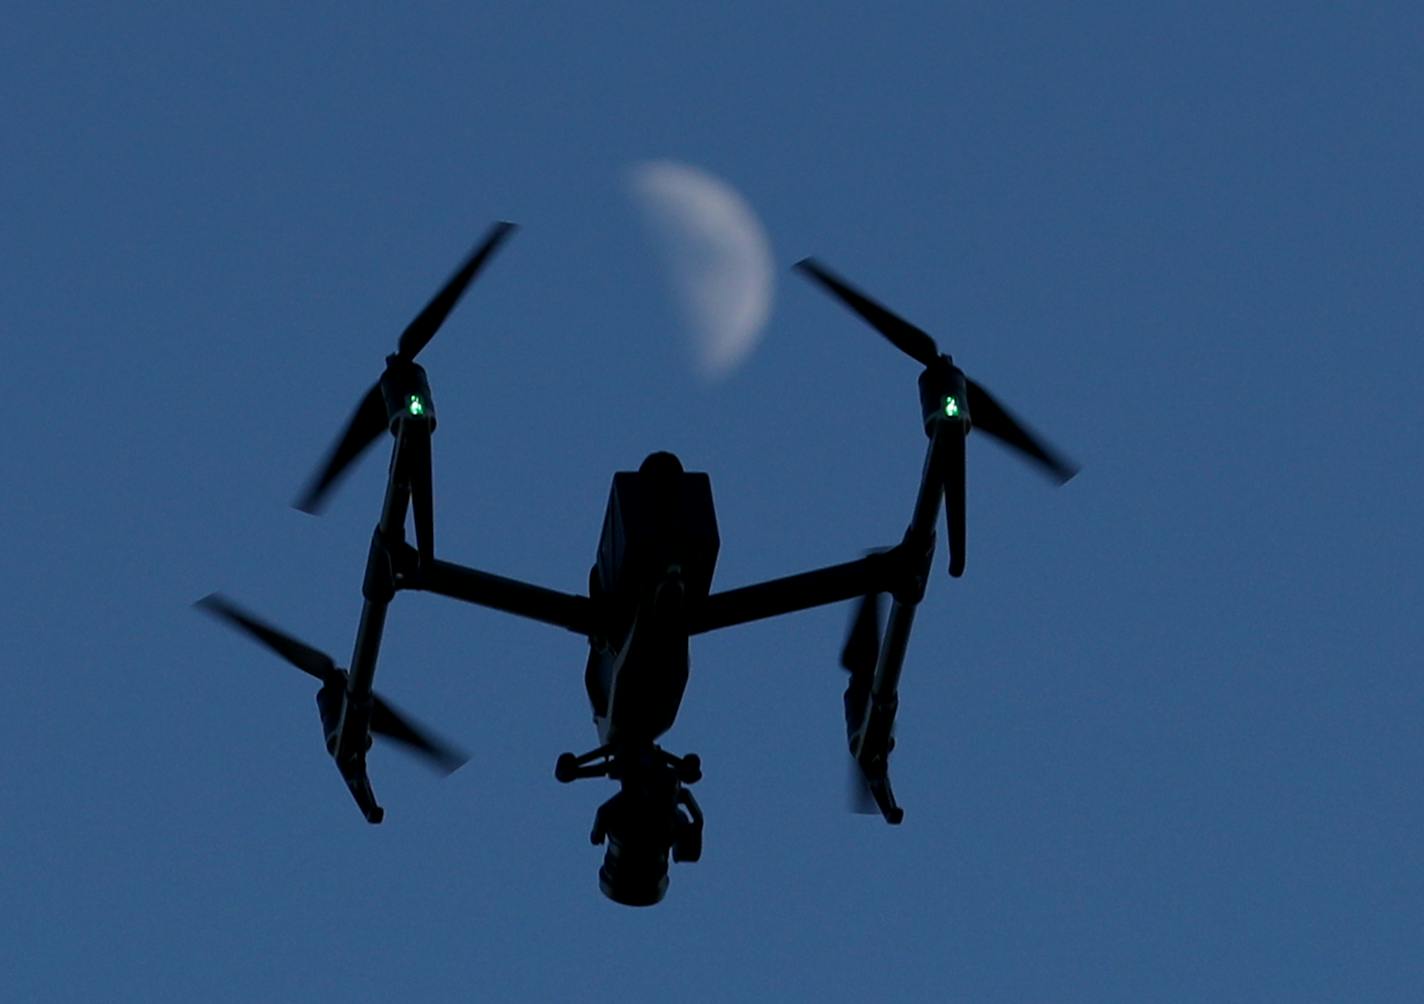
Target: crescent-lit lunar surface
{"points": [[718, 255]]}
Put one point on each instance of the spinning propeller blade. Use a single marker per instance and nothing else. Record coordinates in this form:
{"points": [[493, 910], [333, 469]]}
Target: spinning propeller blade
{"points": [[363, 428], [862, 645], [991, 417], [859, 798], [370, 418], [986, 413], [385, 720], [952, 404], [299, 654], [859, 655], [418, 332], [909, 339]]}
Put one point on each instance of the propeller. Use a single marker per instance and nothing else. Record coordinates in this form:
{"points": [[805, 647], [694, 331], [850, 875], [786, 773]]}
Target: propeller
{"points": [[373, 414], [952, 403], [385, 720], [859, 655]]}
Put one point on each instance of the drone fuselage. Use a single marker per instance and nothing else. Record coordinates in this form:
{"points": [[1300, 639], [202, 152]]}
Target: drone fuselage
{"points": [[636, 689], [655, 562]]}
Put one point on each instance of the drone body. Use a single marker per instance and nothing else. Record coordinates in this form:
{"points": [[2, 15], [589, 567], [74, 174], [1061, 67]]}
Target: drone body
{"points": [[655, 562], [650, 591]]}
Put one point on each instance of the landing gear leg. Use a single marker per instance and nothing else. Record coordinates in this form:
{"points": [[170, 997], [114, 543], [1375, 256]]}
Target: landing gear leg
{"points": [[353, 772]]}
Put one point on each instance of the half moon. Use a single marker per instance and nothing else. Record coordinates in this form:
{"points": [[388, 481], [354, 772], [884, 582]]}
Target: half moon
{"points": [[718, 256]]}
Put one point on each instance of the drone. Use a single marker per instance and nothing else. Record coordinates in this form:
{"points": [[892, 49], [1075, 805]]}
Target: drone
{"points": [[649, 592]]}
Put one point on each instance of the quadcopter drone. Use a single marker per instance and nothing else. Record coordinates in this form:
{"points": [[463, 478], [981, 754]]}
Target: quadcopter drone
{"points": [[649, 592]]}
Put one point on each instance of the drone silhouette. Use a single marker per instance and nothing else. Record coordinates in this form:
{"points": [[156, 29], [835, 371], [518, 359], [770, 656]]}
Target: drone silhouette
{"points": [[649, 592]]}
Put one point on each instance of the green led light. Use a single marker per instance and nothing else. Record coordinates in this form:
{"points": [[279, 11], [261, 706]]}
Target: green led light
{"points": [[417, 406], [951, 407]]}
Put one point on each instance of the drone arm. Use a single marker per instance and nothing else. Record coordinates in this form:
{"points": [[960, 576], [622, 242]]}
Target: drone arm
{"points": [[415, 439], [485, 589], [901, 571], [377, 590], [919, 537], [872, 574], [873, 739]]}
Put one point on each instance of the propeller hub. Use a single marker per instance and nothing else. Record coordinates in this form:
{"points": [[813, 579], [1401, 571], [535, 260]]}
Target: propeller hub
{"points": [[406, 393], [944, 395]]}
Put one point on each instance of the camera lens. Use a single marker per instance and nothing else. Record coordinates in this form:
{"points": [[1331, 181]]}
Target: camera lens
{"points": [[634, 873]]}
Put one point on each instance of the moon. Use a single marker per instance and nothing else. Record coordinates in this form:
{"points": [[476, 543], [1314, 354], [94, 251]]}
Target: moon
{"points": [[718, 257]]}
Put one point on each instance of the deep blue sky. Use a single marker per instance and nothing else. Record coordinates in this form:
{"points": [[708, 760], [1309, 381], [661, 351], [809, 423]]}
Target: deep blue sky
{"points": [[1162, 741]]}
